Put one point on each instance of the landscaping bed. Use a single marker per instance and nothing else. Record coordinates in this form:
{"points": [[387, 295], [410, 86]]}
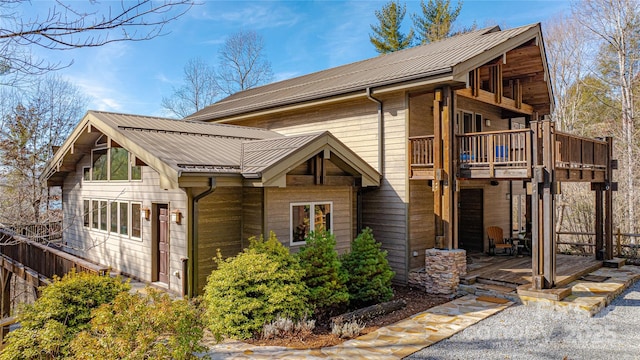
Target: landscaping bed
{"points": [[417, 302]]}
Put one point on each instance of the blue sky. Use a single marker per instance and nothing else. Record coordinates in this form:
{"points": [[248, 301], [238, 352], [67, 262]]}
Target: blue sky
{"points": [[300, 37]]}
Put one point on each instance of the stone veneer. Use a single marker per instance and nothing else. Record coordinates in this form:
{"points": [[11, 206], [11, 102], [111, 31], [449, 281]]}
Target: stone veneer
{"points": [[442, 271]]}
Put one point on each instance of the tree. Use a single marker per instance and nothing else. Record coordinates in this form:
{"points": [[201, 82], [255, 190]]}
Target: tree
{"points": [[34, 123], [386, 36], [198, 91], [615, 25], [71, 25], [436, 20], [242, 63]]}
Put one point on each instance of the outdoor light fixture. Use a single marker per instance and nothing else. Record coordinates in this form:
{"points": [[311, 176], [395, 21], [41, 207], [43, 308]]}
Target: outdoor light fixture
{"points": [[145, 212], [176, 216]]}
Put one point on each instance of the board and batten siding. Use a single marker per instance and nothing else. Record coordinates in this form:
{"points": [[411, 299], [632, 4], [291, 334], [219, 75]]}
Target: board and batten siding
{"points": [[278, 211], [127, 255], [355, 123]]}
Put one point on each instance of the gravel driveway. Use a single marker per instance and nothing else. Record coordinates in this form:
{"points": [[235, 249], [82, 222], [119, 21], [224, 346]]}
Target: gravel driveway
{"points": [[526, 332]]}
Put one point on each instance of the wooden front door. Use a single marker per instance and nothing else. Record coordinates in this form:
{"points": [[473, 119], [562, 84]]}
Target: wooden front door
{"points": [[470, 220], [162, 257]]}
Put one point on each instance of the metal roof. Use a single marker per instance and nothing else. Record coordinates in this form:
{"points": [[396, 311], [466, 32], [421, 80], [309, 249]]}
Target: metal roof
{"points": [[175, 148], [419, 62], [187, 145], [259, 155]]}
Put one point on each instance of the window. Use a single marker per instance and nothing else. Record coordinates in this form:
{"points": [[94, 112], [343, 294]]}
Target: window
{"points": [[85, 213], [118, 217], [99, 164], [114, 216], [94, 214], [306, 217], [103, 215], [124, 218], [119, 164], [136, 228], [471, 122], [112, 164]]}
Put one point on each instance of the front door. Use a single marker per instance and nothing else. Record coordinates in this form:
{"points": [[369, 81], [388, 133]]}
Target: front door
{"points": [[470, 220], [162, 256]]}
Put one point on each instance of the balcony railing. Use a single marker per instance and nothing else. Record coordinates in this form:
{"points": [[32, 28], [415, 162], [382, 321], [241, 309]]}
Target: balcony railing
{"points": [[507, 154], [498, 154], [421, 157]]}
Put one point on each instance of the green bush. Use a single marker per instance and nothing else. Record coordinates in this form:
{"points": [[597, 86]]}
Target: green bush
{"points": [[141, 326], [261, 283], [323, 274], [61, 312], [368, 271]]}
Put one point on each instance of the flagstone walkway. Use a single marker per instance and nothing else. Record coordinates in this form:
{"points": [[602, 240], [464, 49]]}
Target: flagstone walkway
{"points": [[391, 342]]}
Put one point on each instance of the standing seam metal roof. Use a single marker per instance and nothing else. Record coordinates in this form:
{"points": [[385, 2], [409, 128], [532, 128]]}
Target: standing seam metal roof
{"points": [[418, 62]]}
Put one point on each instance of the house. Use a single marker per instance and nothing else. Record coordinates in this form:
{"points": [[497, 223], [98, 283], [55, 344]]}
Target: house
{"points": [[428, 146], [143, 194]]}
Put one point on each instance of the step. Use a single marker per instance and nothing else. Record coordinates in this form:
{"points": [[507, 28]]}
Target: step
{"points": [[614, 263]]}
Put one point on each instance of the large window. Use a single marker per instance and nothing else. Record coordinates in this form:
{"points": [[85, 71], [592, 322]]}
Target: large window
{"points": [[307, 217], [112, 164], [120, 217]]}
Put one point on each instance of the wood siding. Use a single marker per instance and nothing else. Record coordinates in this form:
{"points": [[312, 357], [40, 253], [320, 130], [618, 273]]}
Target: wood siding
{"points": [[219, 228], [128, 255], [252, 213], [278, 207], [355, 123]]}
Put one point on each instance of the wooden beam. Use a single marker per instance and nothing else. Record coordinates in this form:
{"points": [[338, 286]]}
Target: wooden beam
{"points": [[597, 187], [489, 98], [608, 202], [437, 163]]}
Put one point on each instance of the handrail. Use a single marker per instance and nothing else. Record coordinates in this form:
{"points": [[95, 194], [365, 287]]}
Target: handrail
{"points": [[422, 152], [45, 260], [511, 148], [573, 151]]}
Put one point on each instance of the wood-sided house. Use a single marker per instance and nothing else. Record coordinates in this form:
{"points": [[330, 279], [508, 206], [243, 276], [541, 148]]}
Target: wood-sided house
{"points": [[458, 130], [427, 146], [146, 195]]}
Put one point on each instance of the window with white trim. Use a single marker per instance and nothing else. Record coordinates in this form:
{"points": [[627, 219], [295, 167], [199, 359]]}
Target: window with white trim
{"points": [[307, 217], [119, 217], [113, 164]]}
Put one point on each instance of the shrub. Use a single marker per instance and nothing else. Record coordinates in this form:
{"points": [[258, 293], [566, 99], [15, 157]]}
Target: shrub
{"points": [[261, 283], [323, 274], [368, 271], [139, 326], [283, 327], [347, 330], [62, 311]]}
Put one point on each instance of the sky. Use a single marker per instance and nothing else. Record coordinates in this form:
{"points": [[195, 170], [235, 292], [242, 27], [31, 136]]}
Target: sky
{"points": [[300, 37]]}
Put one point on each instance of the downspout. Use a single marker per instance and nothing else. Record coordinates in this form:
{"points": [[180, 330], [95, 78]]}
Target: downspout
{"points": [[194, 234], [380, 132]]}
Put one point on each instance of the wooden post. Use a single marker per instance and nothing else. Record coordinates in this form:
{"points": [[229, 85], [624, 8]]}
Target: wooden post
{"points": [[608, 202], [548, 203], [5, 300], [448, 176], [599, 248], [536, 248], [437, 167], [618, 243]]}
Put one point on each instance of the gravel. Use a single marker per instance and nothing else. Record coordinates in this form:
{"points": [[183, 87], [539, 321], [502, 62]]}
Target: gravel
{"points": [[528, 332]]}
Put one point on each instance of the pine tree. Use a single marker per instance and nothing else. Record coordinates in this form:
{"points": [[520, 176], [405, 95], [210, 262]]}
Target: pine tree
{"points": [[436, 20], [386, 36]]}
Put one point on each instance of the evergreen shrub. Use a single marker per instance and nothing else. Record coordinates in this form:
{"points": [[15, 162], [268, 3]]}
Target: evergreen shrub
{"points": [[255, 287], [368, 271], [141, 326], [323, 274], [62, 311]]}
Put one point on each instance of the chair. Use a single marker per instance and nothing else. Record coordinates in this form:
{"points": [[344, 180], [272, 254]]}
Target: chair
{"points": [[498, 241]]}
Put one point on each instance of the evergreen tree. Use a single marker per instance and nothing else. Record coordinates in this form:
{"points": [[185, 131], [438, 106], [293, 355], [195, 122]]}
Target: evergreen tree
{"points": [[386, 36], [436, 20]]}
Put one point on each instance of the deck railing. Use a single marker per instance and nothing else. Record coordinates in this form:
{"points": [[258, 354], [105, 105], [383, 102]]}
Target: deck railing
{"points": [[45, 260], [507, 148], [576, 152], [47, 232], [422, 151]]}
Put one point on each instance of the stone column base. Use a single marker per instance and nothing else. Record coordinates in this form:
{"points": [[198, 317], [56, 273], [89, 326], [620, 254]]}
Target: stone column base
{"points": [[442, 271]]}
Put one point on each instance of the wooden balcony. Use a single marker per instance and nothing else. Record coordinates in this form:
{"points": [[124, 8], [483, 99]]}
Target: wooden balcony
{"points": [[421, 157], [580, 159], [495, 155], [508, 155]]}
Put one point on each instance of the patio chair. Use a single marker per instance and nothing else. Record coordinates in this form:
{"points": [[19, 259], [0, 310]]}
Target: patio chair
{"points": [[498, 241]]}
